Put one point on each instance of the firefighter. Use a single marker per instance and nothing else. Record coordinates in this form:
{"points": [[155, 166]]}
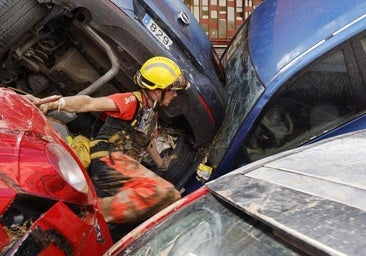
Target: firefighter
{"points": [[127, 191]]}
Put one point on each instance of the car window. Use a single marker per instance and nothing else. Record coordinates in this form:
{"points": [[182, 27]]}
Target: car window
{"points": [[360, 49], [363, 42], [243, 89], [209, 227], [319, 99]]}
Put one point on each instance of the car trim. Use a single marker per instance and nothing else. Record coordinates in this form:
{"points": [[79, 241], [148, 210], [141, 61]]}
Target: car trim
{"points": [[128, 239]]}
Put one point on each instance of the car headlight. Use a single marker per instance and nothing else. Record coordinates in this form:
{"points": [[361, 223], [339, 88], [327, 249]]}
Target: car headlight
{"points": [[63, 162]]}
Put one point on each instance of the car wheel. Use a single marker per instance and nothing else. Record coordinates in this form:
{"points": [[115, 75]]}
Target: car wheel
{"points": [[16, 18], [182, 158]]}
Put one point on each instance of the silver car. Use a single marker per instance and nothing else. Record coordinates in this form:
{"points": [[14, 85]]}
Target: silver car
{"points": [[307, 201]]}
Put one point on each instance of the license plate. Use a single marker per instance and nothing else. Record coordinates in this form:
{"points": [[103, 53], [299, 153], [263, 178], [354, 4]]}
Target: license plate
{"points": [[157, 32]]}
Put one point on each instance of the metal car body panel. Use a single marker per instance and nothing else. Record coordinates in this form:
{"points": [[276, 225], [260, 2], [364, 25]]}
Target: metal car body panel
{"points": [[313, 197], [275, 49], [24, 134], [315, 193], [76, 239], [39, 210]]}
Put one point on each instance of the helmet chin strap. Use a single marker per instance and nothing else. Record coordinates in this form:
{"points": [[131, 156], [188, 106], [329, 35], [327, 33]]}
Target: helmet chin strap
{"points": [[151, 100], [162, 98]]}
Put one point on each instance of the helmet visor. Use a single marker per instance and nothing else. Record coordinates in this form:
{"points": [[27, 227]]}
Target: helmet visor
{"points": [[142, 82], [180, 84]]}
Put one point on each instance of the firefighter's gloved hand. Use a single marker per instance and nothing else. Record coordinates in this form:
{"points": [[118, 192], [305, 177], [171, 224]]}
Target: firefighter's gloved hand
{"points": [[44, 107], [49, 99], [43, 104], [32, 98], [37, 101]]}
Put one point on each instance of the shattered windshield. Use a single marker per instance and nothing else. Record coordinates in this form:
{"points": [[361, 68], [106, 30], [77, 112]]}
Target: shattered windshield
{"points": [[243, 89], [208, 227]]}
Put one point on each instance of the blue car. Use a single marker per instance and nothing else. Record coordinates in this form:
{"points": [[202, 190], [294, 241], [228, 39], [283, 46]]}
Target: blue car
{"points": [[296, 74]]}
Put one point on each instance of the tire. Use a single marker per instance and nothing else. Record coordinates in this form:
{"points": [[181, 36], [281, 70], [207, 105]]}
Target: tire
{"points": [[178, 167], [16, 18]]}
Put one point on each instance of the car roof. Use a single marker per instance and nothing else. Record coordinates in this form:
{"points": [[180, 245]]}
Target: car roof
{"points": [[316, 193], [282, 30]]}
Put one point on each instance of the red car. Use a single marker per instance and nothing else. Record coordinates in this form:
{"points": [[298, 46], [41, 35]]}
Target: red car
{"points": [[47, 202]]}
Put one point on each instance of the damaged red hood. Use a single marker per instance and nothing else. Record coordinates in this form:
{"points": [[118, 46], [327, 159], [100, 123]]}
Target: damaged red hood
{"points": [[19, 114], [27, 144], [41, 180]]}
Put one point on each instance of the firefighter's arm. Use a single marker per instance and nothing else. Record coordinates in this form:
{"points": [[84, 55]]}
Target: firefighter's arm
{"points": [[155, 156], [80, 103]]}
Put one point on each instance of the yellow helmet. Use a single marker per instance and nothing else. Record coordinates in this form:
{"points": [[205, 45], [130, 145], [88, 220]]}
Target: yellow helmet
{"points": [[160, 73]]}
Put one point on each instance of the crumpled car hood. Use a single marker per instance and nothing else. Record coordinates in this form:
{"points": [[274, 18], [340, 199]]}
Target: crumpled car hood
{"points": [[19, 114], [25, 134]]}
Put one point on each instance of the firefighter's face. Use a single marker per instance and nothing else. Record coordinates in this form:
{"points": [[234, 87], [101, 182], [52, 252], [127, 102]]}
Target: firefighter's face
{"points": [[168, 97]]}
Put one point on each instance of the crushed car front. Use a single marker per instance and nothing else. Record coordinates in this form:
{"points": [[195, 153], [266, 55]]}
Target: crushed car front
{"points": [[47, 202]]}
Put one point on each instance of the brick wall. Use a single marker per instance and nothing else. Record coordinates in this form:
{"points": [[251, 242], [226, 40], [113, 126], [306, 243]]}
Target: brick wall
{"points": [[221, 18]]}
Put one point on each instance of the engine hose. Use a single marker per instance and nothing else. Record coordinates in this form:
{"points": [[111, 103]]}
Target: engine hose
{"points": [[112, 57]]}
